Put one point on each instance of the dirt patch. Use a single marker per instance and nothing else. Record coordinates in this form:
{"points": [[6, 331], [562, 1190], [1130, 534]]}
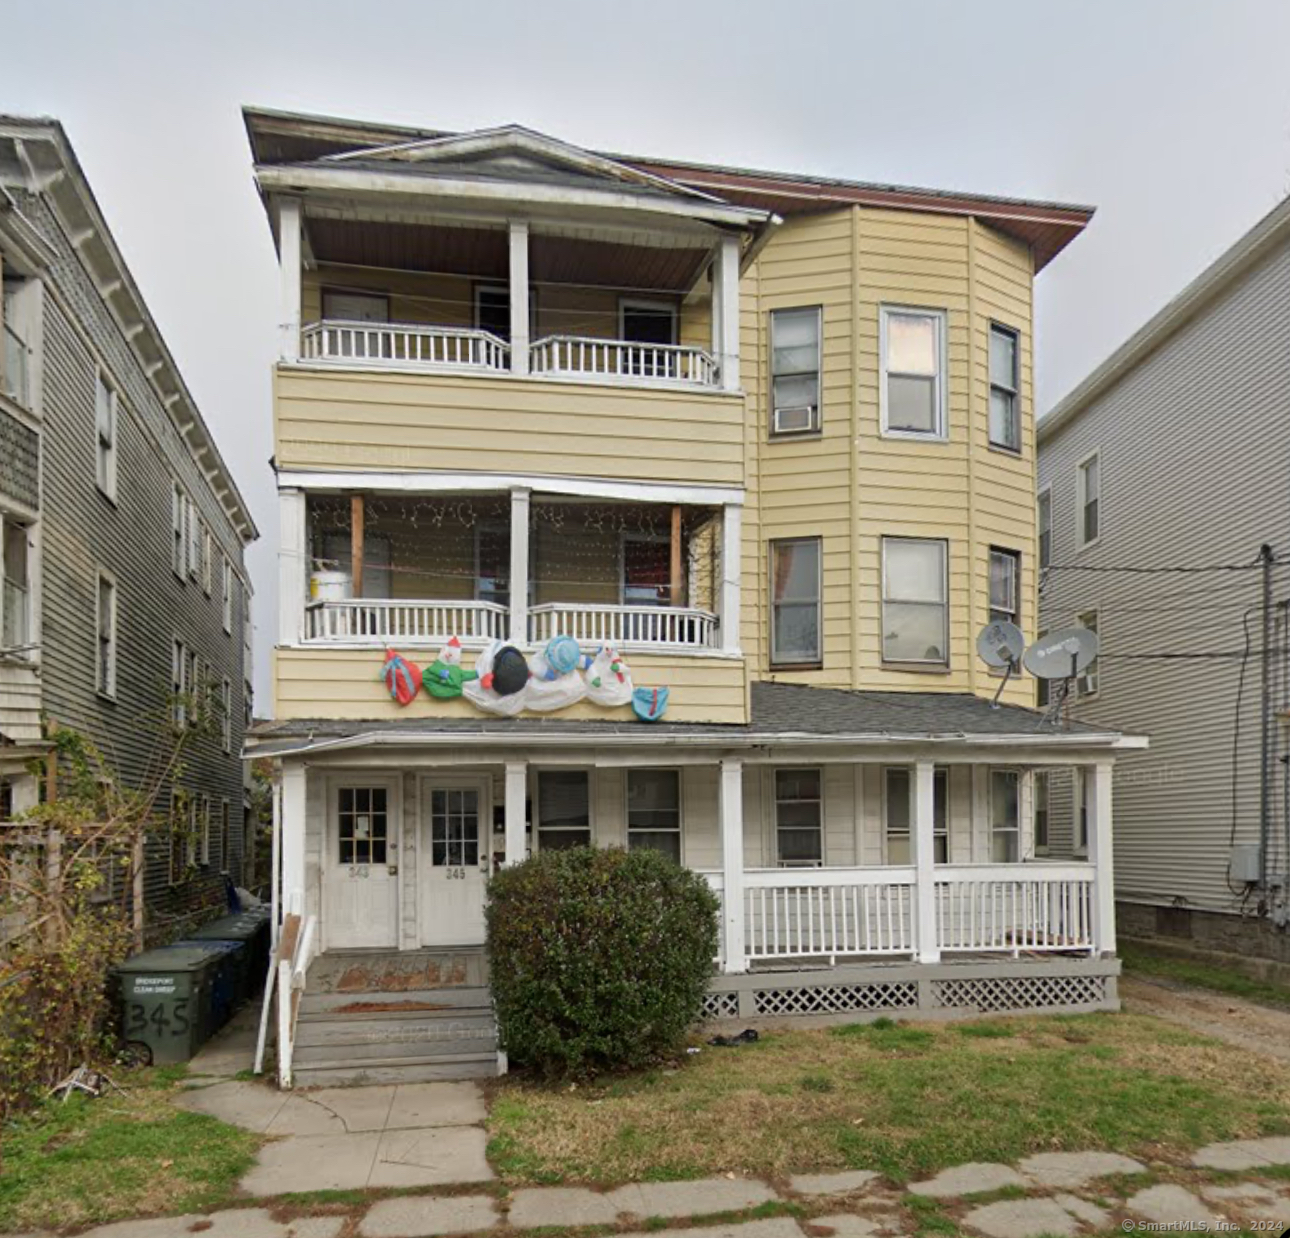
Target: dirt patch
{"points": [[387, 1007], [1246, 1025]]}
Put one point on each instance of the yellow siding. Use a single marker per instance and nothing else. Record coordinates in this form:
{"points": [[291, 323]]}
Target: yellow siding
{"points": [[345, 420], [346, 683]]}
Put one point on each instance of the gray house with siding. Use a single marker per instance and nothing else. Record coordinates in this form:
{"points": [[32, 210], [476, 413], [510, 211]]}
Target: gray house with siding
{"points": [[1161, 478], [124, 582]]}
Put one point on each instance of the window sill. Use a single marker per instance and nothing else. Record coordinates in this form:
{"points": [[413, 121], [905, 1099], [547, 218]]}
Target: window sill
{"points": [[792, 667], [917, 668], [795, 436], [914, 436], [1004, 450], [107, 497], [109, 697]]}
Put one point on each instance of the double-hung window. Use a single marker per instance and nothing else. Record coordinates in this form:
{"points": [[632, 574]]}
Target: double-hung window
{"points": [[208, 559], [898, 805], [1086, 684], [178, 516], [1089, 499], [654, 810], [105, 422], [1005, 586], [226, 584], [226, 705], [913, 372], [1084, 793], [15, 587], [1005, 816], [1041, 814], [204, 830], [564, 809], [795, 370], [1045, 511], [193, 530], [105, 623], [1005, 389], [795, 601], [179, 681], [799, 818], [915, 610]]}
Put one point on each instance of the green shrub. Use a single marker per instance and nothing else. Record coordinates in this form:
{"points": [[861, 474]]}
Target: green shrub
{"points": [[598, 959]]}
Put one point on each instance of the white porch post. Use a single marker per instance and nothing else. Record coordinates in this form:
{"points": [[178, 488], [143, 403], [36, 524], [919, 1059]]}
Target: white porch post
{"points": [[725, 311], [292, 826], [517, 785], [1099, 855], [731, 575], [734, 955], [923, 845], [519, 588], [519, 251], [289, 260], [1026, 815], [292, 568]]}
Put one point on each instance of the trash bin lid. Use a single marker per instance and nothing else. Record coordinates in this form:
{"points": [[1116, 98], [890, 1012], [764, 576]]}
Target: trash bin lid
{"points": [[229, 928], [189, 957], [222, 945]]}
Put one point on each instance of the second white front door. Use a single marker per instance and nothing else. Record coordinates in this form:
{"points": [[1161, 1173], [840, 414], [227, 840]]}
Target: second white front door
{"points": [[456, 827]]}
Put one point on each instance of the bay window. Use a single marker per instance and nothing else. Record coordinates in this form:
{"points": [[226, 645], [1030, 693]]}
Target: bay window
{"points": [[913, 372]]}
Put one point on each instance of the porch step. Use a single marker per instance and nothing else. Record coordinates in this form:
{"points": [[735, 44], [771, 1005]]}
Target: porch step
{"points": [[399, 1036], [406, 1070], [387, 971]]}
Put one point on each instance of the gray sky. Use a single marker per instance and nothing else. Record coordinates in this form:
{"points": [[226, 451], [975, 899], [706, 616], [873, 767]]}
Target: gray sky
{"points": [[1172, 118]]}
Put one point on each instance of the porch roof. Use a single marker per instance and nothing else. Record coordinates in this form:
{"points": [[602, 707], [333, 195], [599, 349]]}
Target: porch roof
{"points": [[781, 713]]}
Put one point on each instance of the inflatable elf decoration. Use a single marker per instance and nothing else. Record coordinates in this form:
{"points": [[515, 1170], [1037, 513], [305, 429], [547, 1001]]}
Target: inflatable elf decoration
{"points": [[445, 676]]}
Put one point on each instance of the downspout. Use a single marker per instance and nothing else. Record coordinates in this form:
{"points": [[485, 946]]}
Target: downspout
{"points": [[1268, 741]]}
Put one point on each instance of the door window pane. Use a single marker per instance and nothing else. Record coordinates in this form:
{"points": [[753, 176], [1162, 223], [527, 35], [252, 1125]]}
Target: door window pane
{"points": [[1005, 816], [654, 810], [454, 826], [362, 825], [914, 613], [564, 813], [798, 817], [899, 808], [795, 604]]}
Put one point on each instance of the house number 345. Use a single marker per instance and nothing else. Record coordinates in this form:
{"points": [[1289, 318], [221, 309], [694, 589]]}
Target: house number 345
{"points": [[455, 874]]}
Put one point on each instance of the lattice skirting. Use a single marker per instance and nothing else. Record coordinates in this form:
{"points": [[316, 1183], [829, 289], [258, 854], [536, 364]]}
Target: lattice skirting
{"points": [[910, 990]]}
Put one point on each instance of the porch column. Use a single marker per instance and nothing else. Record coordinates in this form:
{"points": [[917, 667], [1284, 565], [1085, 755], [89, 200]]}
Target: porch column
{"points": [[289, 262], [292, 828], [517, 784], [923, 846], [1099, 855], [725, 311], [731, 575], [519, 586], [519, 250], [733, 956], [292, 567]]}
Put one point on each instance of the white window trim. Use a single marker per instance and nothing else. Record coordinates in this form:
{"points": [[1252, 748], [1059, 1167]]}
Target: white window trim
{"points": [[1079, 847], [1042, 779], [941, 434], [535, 838], [505, 291], [938, 772], [107, 689], [226, 704], [993, 829], [817, 413], [225, 833], [654, 306], [1081, 694], [680, 806], [204, 831], [776, 862], [1080, 496], [1045, 494], [178, 530], [819, 600], [226, 584], [108, 488], [945, 604], [1014, 557], [1015, 390]]}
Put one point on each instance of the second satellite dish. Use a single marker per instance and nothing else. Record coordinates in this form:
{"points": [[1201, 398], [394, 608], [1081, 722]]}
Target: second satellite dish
{"points": [[1000, 644], [1062, 654]]}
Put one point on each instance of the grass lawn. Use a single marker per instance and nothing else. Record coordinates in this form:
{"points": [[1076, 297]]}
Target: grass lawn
{"points": [[1145, 962], [902, 1099], [126, 1155]]}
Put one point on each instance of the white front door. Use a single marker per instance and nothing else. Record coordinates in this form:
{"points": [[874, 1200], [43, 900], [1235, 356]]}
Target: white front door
{"points": [[360, 876], [456, 827]]}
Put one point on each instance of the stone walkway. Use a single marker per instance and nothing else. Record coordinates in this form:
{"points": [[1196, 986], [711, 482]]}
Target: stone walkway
{"points": [[1044, 1196]]}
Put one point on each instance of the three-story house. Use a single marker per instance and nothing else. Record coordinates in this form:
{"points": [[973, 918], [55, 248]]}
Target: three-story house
{"points": [[683, 492]]}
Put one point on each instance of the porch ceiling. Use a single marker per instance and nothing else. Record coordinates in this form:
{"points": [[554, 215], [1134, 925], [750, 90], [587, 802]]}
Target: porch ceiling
{"points": [[780, 713]]}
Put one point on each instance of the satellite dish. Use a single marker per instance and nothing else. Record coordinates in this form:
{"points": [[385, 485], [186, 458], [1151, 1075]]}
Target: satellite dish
{"points": [[1000, 644], [1059, 655]]}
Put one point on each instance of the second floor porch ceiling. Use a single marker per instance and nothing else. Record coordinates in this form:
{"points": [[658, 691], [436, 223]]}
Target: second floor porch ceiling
{"points": [[508, 252]]}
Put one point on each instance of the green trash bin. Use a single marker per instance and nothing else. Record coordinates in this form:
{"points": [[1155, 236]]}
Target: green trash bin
{"points": [[228, 979], [166, 999], [250, 928]]}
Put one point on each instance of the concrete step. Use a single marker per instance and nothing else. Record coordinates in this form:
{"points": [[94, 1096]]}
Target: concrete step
{"points": [[362, 971], [391, 1052], [386, 1003], [406, 1070], [407, 1032]]}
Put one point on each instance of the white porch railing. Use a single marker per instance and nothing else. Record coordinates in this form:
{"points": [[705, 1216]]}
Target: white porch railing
{"points": [[379, 619], [673, 627], [404, 344], [995, 907], [826, 912], [578, 356]]}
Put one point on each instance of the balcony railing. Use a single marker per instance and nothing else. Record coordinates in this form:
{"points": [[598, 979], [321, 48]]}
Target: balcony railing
{"points": [[377, 620], [1006, 907], [577, 356], [650, 627], [14, 379], [404, 344]]}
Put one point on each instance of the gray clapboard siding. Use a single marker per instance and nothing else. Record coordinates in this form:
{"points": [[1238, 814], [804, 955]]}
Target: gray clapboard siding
{"points": [[83, 531], [1195, 467]]}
